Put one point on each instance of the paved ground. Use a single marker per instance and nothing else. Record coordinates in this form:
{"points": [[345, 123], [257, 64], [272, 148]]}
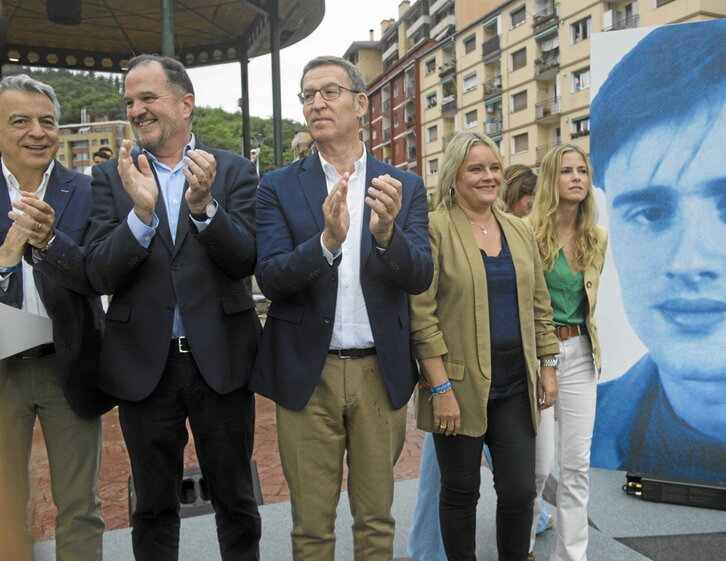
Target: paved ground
{"points": [[115, 470]]}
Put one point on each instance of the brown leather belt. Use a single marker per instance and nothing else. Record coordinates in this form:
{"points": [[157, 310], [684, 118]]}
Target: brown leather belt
{"points": [[36, 352], [564, 332]]}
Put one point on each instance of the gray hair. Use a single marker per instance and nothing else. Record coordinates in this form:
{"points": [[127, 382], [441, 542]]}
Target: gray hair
{"points": [[24, 83], [356, 80]]}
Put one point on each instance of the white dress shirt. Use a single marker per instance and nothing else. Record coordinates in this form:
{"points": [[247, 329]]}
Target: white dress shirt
{"points": [[31, 299], [351, 329]]}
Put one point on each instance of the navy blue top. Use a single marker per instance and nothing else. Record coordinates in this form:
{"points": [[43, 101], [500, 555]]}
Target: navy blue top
{"points": [[508, 369]]}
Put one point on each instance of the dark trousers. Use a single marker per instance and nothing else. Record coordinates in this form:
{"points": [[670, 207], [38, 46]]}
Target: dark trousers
{"points": [[155, 433], [511, 441]]}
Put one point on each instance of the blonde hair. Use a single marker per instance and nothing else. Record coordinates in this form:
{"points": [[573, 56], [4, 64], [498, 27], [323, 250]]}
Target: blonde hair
{"points": [[454, 159], [545, 220]]}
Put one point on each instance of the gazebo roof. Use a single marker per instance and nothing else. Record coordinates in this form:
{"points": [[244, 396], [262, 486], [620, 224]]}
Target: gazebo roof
{"points": [[206, 32]]}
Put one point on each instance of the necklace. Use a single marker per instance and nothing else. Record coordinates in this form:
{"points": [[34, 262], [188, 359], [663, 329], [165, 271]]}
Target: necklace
{"points": [[482, 228]]}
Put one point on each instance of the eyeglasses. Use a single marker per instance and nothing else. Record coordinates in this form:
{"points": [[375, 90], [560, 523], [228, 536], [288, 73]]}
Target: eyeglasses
{"points": [[328, 92]]}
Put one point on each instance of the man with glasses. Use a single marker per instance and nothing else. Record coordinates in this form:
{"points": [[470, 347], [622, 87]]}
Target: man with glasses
{"points": [[342, 241]]}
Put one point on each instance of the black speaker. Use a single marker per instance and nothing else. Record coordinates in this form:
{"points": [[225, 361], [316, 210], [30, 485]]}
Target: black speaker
{"points": [[64, 12]]}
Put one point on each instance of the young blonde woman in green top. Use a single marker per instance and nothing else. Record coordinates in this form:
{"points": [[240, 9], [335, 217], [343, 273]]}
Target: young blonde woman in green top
{"points": [[572, 249]]}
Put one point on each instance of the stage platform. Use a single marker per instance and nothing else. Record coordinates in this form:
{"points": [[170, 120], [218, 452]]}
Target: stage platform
{"points": [[623, 528]]}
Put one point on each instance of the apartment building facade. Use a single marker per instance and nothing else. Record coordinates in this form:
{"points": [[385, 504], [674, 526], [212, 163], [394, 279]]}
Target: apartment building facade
{"points": [[521, 73], [78, 141]]}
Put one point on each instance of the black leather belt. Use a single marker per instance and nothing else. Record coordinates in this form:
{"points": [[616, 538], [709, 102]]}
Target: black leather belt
{"points": [[352, 353], [180, 345], [36, 352]]}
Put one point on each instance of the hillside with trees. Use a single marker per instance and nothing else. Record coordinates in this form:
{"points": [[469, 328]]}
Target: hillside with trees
{"points": [[101, 95]]}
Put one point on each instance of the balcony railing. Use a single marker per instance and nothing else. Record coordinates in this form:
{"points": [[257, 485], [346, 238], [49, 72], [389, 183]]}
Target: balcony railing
{"points": [[493, 86], [547, 63], [547, 108], [542, 150], [627, 23], [490, 46], [545, 17], [448, 104], [494, 125], [447, 68]]}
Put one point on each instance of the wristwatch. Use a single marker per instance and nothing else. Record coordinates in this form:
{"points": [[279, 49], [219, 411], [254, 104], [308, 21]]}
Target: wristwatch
{"points": [[553, 362], [209, 211]]}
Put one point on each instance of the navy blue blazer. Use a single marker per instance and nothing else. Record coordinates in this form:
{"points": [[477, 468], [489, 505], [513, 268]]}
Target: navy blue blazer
{"points": [[302, 287], [72, 305], [202, 273]]}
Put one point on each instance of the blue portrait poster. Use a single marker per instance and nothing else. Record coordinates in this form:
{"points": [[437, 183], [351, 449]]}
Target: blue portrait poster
{"points": [[658, 149]]}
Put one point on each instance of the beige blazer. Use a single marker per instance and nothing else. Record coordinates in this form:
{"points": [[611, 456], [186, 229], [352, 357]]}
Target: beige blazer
{"points": [[451, 319], [592, 282]]}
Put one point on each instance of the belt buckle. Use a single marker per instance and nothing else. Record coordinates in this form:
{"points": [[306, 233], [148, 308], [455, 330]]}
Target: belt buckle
{"points": [[183, 345], [341, 355]]}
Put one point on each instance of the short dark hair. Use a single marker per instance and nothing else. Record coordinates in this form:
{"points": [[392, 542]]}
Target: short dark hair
{"points": [[641, 93], [356, 79], [106, 150], [103, 154], [176, 74]]}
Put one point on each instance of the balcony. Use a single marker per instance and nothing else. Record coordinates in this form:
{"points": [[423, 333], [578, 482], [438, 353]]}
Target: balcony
{"points": [[417, 25], [490, 46], [578, 134], [548, 109], [542, 150], [494, 125], [492, 86], [448, 104], [387, 134], [437, 5], [545, 67], [445, 23], [626, 23], [545, 18], [447, 68], [390, 51]]}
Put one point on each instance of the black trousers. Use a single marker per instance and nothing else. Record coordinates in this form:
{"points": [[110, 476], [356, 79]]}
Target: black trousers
{"points": [[155, 433], [511, 441]]}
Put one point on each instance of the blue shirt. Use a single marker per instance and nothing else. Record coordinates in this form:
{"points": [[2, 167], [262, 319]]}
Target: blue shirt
{"points": [[171, 190], [508, 370]]}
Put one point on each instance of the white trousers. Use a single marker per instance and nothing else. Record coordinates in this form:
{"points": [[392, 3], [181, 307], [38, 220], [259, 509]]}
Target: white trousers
{"points": [[575, 414]]}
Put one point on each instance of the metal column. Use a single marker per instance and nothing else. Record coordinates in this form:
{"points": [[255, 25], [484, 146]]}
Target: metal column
{"points": [[167, 28], [276, 99]]}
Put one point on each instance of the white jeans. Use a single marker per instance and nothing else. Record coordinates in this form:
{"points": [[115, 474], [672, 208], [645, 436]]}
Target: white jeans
{"points": [[575, 412]]}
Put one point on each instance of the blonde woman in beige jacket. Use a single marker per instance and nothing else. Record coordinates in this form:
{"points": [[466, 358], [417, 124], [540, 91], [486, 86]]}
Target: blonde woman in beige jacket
{"points": [[477, 333], [572, 248]]}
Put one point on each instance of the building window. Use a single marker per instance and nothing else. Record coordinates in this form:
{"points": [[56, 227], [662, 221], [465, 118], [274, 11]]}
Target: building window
{"points": [[659, 3], [469, 44], [580, 79], [518, 58], [580, 30], [519, 101], [470, 82], [62, 157], [430, 66], [580, 126], [395, 90], [470, 119], [61, 145], [395, 119], [517, 17], [375, 133], [520, 143], [104, 142], [432, 133], [433, 166], [431, 100]]}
